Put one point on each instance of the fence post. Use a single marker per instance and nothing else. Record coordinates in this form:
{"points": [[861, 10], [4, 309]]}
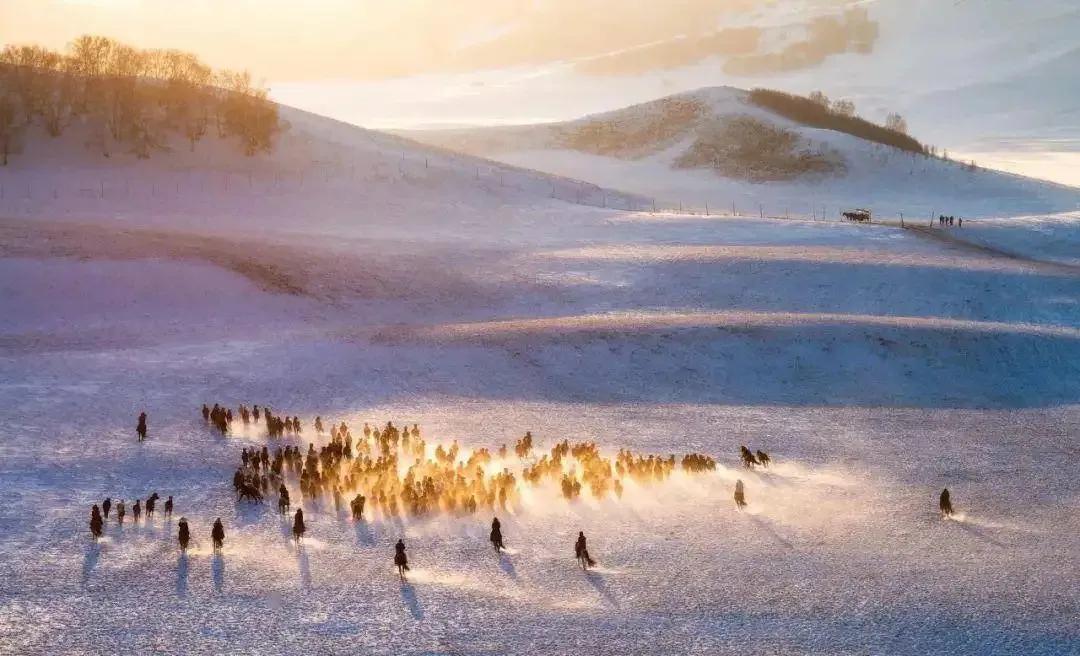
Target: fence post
{"points": [[761, 211], [706, 208], [654, 206]]}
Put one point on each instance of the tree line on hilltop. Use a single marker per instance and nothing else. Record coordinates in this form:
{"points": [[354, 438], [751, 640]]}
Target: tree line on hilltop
{"points": [[819, 112], [132, 100]]}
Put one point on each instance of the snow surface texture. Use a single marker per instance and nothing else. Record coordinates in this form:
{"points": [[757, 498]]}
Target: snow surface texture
{"points": [[876, 365]]}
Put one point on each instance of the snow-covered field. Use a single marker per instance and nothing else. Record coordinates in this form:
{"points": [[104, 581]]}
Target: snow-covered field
{"points": [[874, 364]]}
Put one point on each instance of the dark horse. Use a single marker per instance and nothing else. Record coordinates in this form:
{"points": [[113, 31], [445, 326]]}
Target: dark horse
{"points": [[581, 551], [748, 459], [401, 561], [249, 492]]}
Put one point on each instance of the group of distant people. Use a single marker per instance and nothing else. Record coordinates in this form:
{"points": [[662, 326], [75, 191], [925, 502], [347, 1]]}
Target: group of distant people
{"points": [[950, 220], [99, 515]]}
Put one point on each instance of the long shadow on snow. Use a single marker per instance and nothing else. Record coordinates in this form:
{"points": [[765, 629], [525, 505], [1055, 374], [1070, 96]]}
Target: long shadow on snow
{"points": [[507, 565], [182, 575], [90, 560], [304, 565], [217, 572], [598, 582], [412, 603]]}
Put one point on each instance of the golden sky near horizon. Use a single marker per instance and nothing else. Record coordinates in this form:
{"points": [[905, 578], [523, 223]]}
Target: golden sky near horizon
{"points": [[326, 39]]}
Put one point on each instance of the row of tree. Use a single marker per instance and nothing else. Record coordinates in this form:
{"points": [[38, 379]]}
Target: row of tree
{"points": [[816, 110], [131, 98]]}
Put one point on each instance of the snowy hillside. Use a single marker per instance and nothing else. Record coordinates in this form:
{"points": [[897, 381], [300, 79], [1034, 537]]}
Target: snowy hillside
{"points": [[662, 133], [323, 175], [359, 277]]}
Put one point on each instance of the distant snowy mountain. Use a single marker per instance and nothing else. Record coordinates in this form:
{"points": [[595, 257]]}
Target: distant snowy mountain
{"points": [[715, 146], [986, 79]]}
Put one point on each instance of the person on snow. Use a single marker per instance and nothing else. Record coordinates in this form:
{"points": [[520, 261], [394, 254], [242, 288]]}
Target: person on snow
{"points": [[136, 511], [496, 535], [217, 535], [298, 527], [141, 427], [105, 506], [740, 495], [401, 561], [184, 535], [168, 506], [95, 522], [120, 511], [581, 551], [205, 413], [945, 503]]}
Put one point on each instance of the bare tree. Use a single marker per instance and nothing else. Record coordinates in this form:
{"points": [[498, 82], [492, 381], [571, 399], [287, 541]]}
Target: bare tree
{"points": [[896, 122], [130, 97], [844, 107], [819, 98]]}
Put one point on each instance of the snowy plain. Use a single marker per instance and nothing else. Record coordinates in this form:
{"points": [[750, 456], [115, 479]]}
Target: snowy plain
{"points": [[875, 364]]}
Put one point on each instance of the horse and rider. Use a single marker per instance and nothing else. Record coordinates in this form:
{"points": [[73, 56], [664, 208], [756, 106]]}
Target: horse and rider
{"points": [[581, 551], [401, 561]]}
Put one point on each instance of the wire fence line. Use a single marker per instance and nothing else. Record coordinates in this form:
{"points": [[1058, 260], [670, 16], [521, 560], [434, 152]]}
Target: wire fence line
{"points": [[22, 189]]}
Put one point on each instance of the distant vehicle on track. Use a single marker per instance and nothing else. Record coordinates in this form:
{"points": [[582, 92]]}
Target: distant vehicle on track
{"points": [[860, 215]]}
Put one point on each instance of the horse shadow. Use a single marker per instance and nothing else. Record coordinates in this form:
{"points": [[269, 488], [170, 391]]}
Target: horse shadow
{"points": [[182, 575], [305, 567], [597, 581], [981, 534], [217, 572], [767, 527], [249, 512], [507, 565], [412, 603], [93, 554], [363, 534]]}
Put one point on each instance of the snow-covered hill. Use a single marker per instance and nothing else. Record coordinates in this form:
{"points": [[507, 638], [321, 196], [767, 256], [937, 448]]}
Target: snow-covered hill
{"points": [[877, 365], [323, 176], [643, 149]]}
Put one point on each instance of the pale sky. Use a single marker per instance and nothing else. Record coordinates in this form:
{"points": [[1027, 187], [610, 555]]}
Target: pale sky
{"points": [[292, 40]]}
